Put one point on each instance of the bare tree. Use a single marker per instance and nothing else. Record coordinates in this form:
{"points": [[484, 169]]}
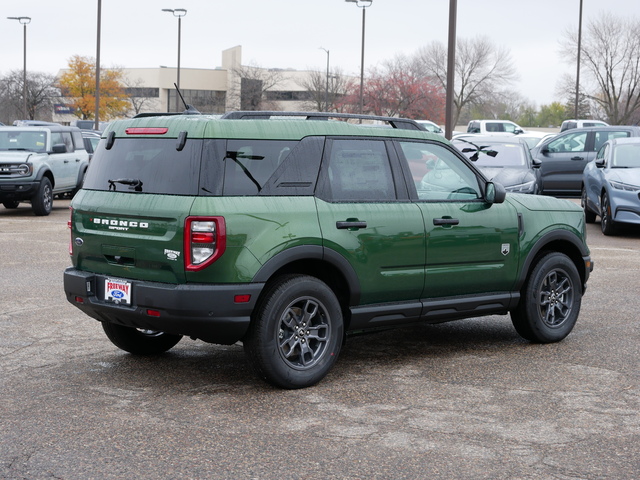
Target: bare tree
{"points": [[325, 95], [611, 60], [254, 81], [41, 95], [139, 96], [482, 70]]}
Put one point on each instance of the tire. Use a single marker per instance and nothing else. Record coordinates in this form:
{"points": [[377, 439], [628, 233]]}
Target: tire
{"points": [[607, 224], [42, 202], [296, 333], [589, 216], [550, 301], [138, 341], [11, 204]]}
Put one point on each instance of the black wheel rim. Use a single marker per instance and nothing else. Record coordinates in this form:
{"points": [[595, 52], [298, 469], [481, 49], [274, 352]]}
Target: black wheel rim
{"points": [[47, 198], [606, 213], [304, 331], [555, 298]]}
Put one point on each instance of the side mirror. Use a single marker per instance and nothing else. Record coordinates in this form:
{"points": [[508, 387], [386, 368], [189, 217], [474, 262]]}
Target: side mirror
{"points": [[600, 163], [536, 163], [494, 193], [518, 131], [59, 148]]}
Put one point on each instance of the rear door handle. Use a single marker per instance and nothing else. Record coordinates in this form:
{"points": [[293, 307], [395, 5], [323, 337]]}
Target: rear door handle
{"points": [[577, 158], [446, 221], [350, 224]]}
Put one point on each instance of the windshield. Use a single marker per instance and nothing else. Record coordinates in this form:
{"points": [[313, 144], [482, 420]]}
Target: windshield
{"points": [[626, 156], [32, 141], [494, 155]]}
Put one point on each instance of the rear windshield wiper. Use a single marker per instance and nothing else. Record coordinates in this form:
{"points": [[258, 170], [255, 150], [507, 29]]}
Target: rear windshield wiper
{"points": [[134, 182]]}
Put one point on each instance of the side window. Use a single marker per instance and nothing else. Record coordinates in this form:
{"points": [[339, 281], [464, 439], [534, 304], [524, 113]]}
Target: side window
{"points": [[602, 153], [56, 138], [68, 141], [573, 142], [439, 174], [509, 127], [602, 137], [248, 164], [359, 170], [495, 127]]}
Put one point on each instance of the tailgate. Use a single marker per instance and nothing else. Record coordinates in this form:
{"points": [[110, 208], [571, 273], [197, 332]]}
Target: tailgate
{"points": [[134, 236]]}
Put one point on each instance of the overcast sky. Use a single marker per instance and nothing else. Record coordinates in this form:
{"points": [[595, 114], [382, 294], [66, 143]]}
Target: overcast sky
{"points": [[289, 33]]}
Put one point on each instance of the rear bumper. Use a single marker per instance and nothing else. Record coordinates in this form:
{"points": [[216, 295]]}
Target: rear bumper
{"points": [[204, 311]]}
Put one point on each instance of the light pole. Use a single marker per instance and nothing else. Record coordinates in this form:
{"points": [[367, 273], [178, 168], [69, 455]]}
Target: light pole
{"points": [[362, 4], [578, 62], [177, 12], [98, 28], [24, 21], [326, 90]]}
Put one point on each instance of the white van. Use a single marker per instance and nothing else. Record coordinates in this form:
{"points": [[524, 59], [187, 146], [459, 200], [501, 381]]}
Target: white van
{"points": [[569, 124]]}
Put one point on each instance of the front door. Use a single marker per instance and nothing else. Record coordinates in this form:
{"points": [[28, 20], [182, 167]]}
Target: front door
{"points": [[471, 244]]}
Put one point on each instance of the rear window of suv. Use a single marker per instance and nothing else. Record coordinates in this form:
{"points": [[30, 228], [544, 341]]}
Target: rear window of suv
{"points": [[156, 165], [154, 162]]}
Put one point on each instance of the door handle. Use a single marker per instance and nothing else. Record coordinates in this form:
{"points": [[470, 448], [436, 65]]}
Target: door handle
{"points": [[350, 224], [446, 221], [66, 161], [577, 158]]}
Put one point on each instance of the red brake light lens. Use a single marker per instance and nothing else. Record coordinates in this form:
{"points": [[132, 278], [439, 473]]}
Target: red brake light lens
{"points": [[205, 240], [146, 130]]}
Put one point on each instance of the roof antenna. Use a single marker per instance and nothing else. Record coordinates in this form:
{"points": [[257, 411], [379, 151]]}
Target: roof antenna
{"points": [[189, 109]]}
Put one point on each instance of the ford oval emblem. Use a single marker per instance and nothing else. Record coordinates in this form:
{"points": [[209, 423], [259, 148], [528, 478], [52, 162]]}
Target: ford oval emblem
{"points": [[78, 241]]}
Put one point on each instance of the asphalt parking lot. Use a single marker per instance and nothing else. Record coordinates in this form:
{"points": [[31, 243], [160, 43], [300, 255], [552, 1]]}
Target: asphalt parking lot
{"points": [[467, 399]]}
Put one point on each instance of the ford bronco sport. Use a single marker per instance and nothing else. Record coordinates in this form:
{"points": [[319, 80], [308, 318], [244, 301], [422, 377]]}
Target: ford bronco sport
{"points": [[286, 234], [38, 162]]}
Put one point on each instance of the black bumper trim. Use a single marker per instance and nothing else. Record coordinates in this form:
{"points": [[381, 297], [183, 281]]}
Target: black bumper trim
{"points": [[204, 311]]}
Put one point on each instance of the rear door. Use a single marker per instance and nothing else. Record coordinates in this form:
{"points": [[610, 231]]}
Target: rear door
{"points": [[365, 215]]}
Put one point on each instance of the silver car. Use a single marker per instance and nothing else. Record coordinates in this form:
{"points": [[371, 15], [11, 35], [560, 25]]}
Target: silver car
{"points": [[611, 185]]}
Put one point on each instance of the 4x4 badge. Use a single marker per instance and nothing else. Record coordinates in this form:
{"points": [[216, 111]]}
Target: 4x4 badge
{"points": [[505, 249]]}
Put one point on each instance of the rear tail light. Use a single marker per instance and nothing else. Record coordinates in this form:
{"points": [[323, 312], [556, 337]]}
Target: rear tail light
{"points": [[205, 239]]}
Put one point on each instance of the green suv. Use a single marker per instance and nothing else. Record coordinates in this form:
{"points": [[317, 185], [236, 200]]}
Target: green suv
{"points": [[285, 234]]}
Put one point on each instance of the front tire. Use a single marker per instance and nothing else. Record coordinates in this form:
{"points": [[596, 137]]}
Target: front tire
{"points": [[42, 202], [550, 301], [607, 224], [138, 341], [589, 216], [296, 334]]}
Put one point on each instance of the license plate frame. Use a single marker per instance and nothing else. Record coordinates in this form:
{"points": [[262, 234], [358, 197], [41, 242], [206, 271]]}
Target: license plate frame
{"points": [[117, 291]]}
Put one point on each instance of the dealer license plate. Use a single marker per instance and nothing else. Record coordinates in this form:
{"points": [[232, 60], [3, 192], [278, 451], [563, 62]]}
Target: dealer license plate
{"points": [[118, 291]]}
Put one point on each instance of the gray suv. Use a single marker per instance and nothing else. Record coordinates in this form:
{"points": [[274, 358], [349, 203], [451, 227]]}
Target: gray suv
{"points": [[563, 157], [39, 162]]}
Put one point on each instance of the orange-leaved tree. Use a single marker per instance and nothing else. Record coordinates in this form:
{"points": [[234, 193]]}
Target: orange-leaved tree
{"points": [[78, 84]]}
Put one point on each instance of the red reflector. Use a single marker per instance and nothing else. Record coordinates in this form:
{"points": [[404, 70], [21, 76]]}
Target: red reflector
{"points": [[79, 300], [146, 130], [153, 313], [202, 237], [241, 298]]}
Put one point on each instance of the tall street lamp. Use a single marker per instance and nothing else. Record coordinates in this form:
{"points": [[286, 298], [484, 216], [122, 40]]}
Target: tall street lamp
{"points": [[177, 12], [326, 90], [362, 4], [578, 62], [24, 21], [98, 28]]}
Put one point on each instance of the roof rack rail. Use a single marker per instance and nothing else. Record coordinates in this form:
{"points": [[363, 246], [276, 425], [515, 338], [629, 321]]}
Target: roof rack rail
{"points": [[394, 122]]}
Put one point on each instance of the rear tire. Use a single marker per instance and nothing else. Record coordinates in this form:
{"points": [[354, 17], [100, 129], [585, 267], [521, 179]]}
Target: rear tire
{"points": [[138, 341], [296, 334], [42, 202], [550, 301]]}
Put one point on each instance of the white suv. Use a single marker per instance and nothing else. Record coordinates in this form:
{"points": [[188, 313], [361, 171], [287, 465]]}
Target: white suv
{"points": [[494, 127]]}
